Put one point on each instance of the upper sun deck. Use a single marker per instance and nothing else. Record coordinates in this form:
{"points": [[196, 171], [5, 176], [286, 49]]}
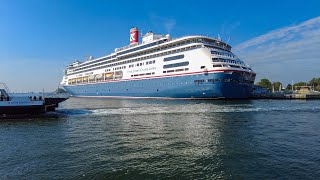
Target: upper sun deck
{"points": [[152, 42]]}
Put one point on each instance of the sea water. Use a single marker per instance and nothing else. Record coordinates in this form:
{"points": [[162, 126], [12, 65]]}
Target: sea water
{"points": [[165, 139]]}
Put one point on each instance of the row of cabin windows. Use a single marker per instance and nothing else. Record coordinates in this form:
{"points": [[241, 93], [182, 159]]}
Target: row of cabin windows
{"points": [[215, 48], [141, 47], [199, 40], [142, 58], [186, 63], [138, 59], [118, 68], [145, 52], [168, 46], [248, 75], [222, 54], [132, 65], [150, 62], [189, 41], [97, 78], [240, 81], [228, 65], [211, 47], [144, 74], [220, 44], [227, 61], [173, 58], [142, 64], [233, 66], [176, 70], [94, 61]]}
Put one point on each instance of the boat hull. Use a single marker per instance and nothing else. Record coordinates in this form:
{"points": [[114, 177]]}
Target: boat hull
{"points": [[221, 85], [35, 109]]}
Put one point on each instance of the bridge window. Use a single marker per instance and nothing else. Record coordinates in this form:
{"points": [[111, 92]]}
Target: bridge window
{"points": [[173, 58], [186, 63], [217, 65]]}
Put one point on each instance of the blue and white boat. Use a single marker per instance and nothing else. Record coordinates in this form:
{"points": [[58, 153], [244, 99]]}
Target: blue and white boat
{"points": [[190, 67], [11, 103]]}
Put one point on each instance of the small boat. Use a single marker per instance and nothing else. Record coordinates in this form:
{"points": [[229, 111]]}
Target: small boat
{"points": [[19, 104]]}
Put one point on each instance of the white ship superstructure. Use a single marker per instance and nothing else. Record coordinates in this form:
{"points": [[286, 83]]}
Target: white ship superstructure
{"points": [[162, 67]]}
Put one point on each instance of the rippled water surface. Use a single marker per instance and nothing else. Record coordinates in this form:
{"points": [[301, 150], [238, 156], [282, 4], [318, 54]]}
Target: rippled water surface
{"points": [[155, 139]]}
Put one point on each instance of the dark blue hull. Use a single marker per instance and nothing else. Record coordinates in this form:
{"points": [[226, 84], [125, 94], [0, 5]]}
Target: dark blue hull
{"points": [[202, 86], [8, 110]]}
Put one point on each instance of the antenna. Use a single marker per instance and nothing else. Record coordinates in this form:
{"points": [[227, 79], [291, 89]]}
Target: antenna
{"points": [[141, 33], [228, 39]]}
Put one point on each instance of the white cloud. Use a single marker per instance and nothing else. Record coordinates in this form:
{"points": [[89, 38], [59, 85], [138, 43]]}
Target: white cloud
{"points": [[164, 22], [169, 24], [289, 53], [228, 27]]}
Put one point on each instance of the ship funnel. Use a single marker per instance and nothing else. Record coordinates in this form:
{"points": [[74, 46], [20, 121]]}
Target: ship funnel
{"points": [[134, 35]]}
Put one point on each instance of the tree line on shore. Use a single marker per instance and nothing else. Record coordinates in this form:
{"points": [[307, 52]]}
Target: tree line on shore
{"points": [[266, 83]]}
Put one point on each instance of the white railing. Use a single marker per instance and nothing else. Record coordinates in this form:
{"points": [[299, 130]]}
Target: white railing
{"points": [[5, 87]]}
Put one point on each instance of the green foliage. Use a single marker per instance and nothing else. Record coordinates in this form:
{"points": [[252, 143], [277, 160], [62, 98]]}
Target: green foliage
{"points": [[289, 87], [299, 84], [277, 85], [265, 83], [315, 81]]}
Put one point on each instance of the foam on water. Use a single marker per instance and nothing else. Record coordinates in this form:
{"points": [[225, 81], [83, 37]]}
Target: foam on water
{"points": [[73, 111], [195, 109]]}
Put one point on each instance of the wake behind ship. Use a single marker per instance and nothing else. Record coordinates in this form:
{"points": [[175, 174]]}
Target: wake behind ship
{"points": [[190, 67]]}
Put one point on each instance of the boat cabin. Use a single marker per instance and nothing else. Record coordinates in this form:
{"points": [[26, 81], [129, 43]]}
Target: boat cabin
{"points": [[4, 95]]}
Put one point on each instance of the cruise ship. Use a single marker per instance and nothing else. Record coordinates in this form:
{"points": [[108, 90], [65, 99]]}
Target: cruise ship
{"points": [[190, 67]]}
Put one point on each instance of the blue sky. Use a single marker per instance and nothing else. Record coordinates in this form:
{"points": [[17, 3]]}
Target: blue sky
{"points": [[38, 38]]}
